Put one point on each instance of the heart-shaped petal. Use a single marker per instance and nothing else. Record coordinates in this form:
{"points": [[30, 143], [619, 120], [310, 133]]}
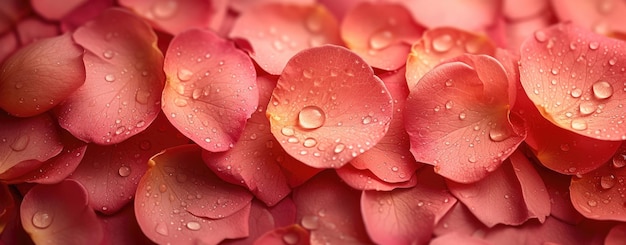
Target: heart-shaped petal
{"points": [[328, 107], [211, 89], [575, 78], [124, 80]]}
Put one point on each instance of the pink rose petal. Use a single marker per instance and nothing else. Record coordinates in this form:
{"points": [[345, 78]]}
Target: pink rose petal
{"points": [[178, 16], [240, 6], [328, 107], [574, 78], [616, 236], [468, 15], [121, 228], [459, 220], [557, 186], [598, 194], [59, 214], [510, 195], [597, 15], [330, 211], [52, 10], [32, 29], [8, 44], [111, 173], [84, 13], [364, 179], [179, 191], [25, 143], [458, 118], [457, 238], [27, 76], [260, 221], [382, 41], [124, 80], [552, 231], [211, 89], [276, 32], [290, 235], [441, 44]]}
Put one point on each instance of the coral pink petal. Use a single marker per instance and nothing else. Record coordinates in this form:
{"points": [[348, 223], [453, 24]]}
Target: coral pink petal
{"points": [[558, 188], [328, 107], [276, 32], [254, 161], [33, 29], [468, 15], [211, 89], [441, 44], [330, 211], [121, 228], [85, 13], [391, 159], [406, 216], [597, 195], [616, 236], [260, 222], [41, 75], [111, 173], [364, 179], [385, 40], [124, 80], [498, 199], [460, 220], [26, 142], [290, 235], [61, 166], [284, 212], [552, 231], [175, 17], [574, 78], [458, 119], [180, 191], [597, 15], [59, 214], [52, 10]]}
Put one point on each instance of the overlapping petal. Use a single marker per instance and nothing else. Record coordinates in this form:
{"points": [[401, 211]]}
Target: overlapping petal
{"points": [[468, 15], [60, 214], [575, 79], [600, 16], [599, 194], [52, 10], [498, 199], [441, 44], [290, 235], [25, 143], [364, 179], [260, 221], [111, 173], [616, 235], [41, 75], [458, 118], [211, 89], [276, 32], [385, 40], [121, 228], [328, 107], [179, 191]]}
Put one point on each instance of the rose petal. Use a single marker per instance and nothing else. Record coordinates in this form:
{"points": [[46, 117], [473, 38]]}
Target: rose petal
{"points": [[122, 228], [552, 231], [441, 44], [290, 235], [175, 17], [616, 236], [13, 11], [581, 89], [25, 143], [31, 29], [598, 194], [211, 89], [459, 220], [26, 78], [52, 10], [382, 41], [124, 80], [467, 15], [597, 15], [260, 221], [85, 13], [276, 32], [330, 211], [59, 214], [364, 179], [8, 44], [7, 206], [328, 107], [111, 173], [179, 191], [458, 119], [497, 199], [558, 188]]}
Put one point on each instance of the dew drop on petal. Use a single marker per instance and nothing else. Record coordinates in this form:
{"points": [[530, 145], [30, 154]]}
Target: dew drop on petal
{"points": [[291, 238], [579, 124], [184, 74], [442, 43], [180, 102], [586, 108], [541, 36], [165, 9], [607, 181], [20, 143], [124, 171], [381, 39], [619, 160], [339, 148], [42, 219], [592, 203], [367, 120], [498, 135], [309, 142], [311, 117], [462, 116], [594, 45], [194, 226], [310, 222], [109, 78], [576, 93], [108, 54], [142, 97], [161, 228], [602, 89], [286, 131]]}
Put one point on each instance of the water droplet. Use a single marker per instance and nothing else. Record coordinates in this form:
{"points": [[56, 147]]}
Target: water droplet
{"points": [[161, 228], [42, 219], [162, 188], [462, 116], [314, 23], [594, 45], [602, 89], [619, 160], [108, 54], [180, 102], [311, 117], [309, 142], [184, 74], [109, 78], [381, 40], [394, 168], [449, 83], [287, 131], [541, 36], [19, 85], [20, 143], [120, 130], [472, 159], [142, 97], [165, 9], [592, 203], [310, 222], [367, 120], [339, 148], [576, 93], [307, 73], [442, 43], [565, 147], [579, 124], [586, 108], [498, 135], [607, 181], [194, 226], [124, 171], [449, 104], [291, 238]]}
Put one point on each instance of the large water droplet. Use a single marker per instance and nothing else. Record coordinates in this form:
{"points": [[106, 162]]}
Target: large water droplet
{"points": [[339, 148], [124, 171], [109, 78], [541, 36], [602, 89], [586, 108], [498, 135], [607, 181], [314, 23], [309, 142], [579, 124], [311, 117], [381, 39], [594, 45], [576, 93], [108, 54], [42, 219], [367, 120], [161, 228], [310, 222], [286, 131], [194, 226], [442, 43], [180, 102], [20, 143], [184, 74], [619, 160], [165, 9]]}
